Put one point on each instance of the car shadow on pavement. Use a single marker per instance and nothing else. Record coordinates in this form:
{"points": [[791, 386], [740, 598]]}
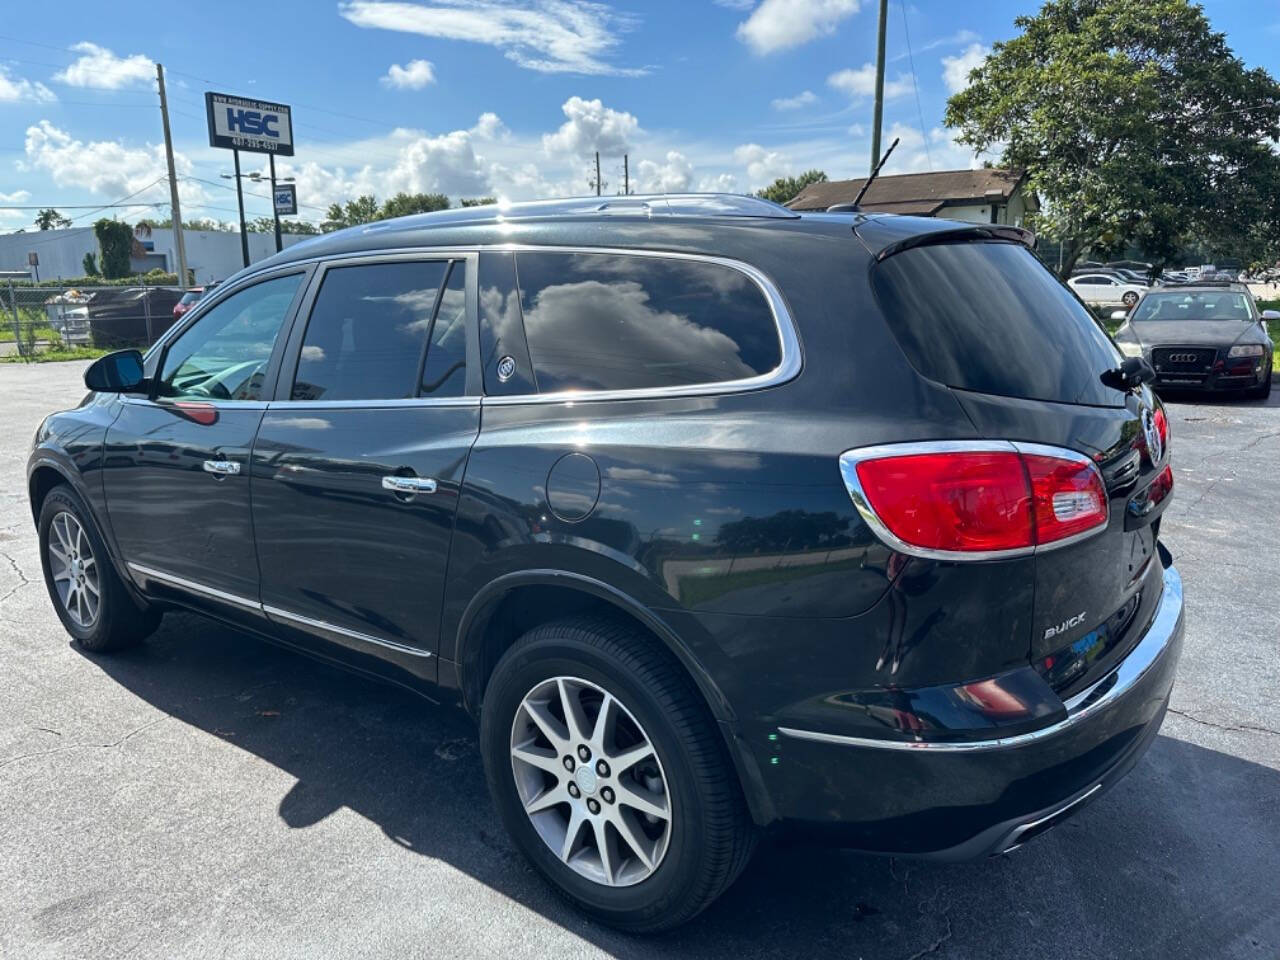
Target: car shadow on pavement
{"points": [[1179, 860]]}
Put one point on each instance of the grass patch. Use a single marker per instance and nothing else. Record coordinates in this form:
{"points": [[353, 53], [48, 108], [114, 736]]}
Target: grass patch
{"points": [[58, 354], [39, 333]]}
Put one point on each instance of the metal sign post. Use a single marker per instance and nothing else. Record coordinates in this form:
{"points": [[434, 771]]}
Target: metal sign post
{"points": [[244, 236]]}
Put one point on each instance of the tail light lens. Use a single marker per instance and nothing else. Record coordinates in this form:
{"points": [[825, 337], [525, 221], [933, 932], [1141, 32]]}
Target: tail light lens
{"points": [[1162, 427], [945, 501]]}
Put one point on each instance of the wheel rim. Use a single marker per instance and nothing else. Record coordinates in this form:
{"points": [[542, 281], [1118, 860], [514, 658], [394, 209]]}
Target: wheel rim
{"points": [[590, 781], [74, 569]]}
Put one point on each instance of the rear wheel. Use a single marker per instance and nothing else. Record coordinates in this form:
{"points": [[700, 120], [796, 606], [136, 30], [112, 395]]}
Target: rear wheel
{"points": [[1129, 298], [609, 772], [92, 603]]}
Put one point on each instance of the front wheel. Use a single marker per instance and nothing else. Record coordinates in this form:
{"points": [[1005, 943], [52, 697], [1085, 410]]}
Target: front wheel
{"points": [[610, 774], [1261, 392], [92, 603], [1129, 299]]}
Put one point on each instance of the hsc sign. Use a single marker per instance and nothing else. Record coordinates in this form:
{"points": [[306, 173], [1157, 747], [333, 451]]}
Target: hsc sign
{"points": [[237, 123]]}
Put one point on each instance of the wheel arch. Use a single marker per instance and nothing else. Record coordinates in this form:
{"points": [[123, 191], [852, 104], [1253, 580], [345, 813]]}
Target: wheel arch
{"points": [[483, 636]]}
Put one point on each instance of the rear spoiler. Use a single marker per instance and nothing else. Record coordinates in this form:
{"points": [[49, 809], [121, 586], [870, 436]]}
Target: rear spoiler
{"points": [[959, 234]]}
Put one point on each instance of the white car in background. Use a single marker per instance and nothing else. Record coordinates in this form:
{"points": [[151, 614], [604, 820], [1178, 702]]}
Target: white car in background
{"points": [[1105, 290]]}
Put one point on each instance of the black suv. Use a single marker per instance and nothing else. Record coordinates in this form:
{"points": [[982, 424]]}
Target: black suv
{"points": [[716, 516]]}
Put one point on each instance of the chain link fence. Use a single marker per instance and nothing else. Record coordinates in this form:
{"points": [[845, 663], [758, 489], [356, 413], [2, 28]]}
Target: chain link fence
{"points": [[77, 320]]}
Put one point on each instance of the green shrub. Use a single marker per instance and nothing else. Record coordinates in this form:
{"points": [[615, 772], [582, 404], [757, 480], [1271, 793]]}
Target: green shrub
{"points": [[115, 243]]}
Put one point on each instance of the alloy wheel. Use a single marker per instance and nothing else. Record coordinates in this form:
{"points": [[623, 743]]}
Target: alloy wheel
{"points": [[590, 781], [74, 569]]}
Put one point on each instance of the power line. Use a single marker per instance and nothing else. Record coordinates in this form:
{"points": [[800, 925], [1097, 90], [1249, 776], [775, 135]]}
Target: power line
{"points": [[911, 60]]}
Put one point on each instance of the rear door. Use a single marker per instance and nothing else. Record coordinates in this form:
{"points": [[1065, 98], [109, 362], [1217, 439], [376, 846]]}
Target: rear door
{"points": [[1025, 360], [358, 461]]}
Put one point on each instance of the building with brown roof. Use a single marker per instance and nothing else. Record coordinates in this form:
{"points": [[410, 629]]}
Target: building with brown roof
{"points": [[984, 195]]}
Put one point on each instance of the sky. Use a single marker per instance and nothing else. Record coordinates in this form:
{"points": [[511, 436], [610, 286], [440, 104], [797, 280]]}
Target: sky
{"points": [[489, 98]]}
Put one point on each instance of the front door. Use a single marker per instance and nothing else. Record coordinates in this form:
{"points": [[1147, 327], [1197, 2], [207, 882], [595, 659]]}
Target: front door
{"points": [[176, 480], [358, 463]]}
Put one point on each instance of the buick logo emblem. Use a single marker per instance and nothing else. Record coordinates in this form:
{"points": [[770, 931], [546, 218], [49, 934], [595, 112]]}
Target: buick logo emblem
{"points": [[1155, 449], [1182, 358]]}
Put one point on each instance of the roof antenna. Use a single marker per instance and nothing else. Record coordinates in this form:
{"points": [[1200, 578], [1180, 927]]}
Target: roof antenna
{"points": [[853, 207]]}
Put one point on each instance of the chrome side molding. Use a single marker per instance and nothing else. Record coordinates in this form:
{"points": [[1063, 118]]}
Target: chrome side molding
{"points": [[271, 612]]}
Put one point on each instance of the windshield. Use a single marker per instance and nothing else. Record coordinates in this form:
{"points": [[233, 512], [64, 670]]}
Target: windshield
{"points": [[1224, 305]]}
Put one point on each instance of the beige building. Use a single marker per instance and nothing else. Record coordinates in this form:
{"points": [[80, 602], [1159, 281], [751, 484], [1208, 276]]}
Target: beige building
{"points": [[985, 195]]}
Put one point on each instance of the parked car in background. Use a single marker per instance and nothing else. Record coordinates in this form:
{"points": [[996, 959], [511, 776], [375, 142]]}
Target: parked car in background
{"points": [[1106, 290], [68, 314], [1202, 336], [131, 316], [189, 300], [718, 518]]}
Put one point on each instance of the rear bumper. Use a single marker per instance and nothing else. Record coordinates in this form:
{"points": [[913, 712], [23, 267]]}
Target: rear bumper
{"points": [[968, 798]]}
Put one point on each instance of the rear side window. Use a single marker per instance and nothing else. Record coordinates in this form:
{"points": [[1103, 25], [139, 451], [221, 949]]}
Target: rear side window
{"points": [[989, 317], [597, 321], [368, 331]]}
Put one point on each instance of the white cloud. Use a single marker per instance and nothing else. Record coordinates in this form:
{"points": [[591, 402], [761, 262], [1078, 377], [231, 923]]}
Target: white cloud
{"points": [[720, 183], [763, 166], [18, 196], [861, 83], [956, 70], [490, 127], [673, 176], [735, 4], [550, 36], [98, 67], [17, 89], [592, 126], [795, 103], [414, 75], [781, 24]]}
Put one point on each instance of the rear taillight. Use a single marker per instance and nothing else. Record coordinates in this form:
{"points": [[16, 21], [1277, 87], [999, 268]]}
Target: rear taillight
{"points": [[1162, 427], [975, 500]]}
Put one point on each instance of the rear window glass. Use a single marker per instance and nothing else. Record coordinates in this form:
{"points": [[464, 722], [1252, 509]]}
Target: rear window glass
{"points": [[989, 317], [623, 322]]}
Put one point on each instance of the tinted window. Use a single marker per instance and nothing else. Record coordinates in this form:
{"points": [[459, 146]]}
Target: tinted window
{"points": [[502, 343], [367, 331], [224, 354], [989, 317], [445, 372], [616, 322], [1194, 306]]}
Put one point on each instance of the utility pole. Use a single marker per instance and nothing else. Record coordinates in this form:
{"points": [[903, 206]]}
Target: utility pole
{"points": [[176, 211], [626, 177], [597, 173], [879, 109], [244, 236], [271, 158]]}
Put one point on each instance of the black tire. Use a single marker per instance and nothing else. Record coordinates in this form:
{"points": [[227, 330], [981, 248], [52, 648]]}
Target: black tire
{"points": [[711, 834], [118, 622]]}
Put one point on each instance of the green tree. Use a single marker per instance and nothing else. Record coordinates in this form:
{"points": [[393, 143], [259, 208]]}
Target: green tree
{"points": [[115, 243], [363, 209], [1136, 124], [90, 264], [403, 204], [478, 201], [50, 219], [784, 188]]}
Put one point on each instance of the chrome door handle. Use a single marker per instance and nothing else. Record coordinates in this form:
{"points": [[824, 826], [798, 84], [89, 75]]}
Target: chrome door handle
{"points": [[409, 485], [222, 468]]}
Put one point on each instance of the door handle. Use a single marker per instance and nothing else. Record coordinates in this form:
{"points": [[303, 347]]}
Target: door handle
{"points": [[222, 468], [409, 485]]}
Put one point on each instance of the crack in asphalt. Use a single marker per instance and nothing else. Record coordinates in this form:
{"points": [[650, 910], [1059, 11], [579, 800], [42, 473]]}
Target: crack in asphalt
{"points": [[1234, 728], [23, 579], [80, 746], [937, 944]]}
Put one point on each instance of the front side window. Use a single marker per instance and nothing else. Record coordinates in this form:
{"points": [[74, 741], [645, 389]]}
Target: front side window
{"points": [[368, 331], [597, 321], [224, 355]]}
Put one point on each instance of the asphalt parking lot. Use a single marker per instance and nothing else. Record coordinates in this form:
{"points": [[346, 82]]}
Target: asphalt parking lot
{"points": [[207, 795]]}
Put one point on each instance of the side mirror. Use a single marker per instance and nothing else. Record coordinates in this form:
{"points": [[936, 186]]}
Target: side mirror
{"points": [[1271, 314], [1132, 373], [119, 372], [1119, 314]]}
